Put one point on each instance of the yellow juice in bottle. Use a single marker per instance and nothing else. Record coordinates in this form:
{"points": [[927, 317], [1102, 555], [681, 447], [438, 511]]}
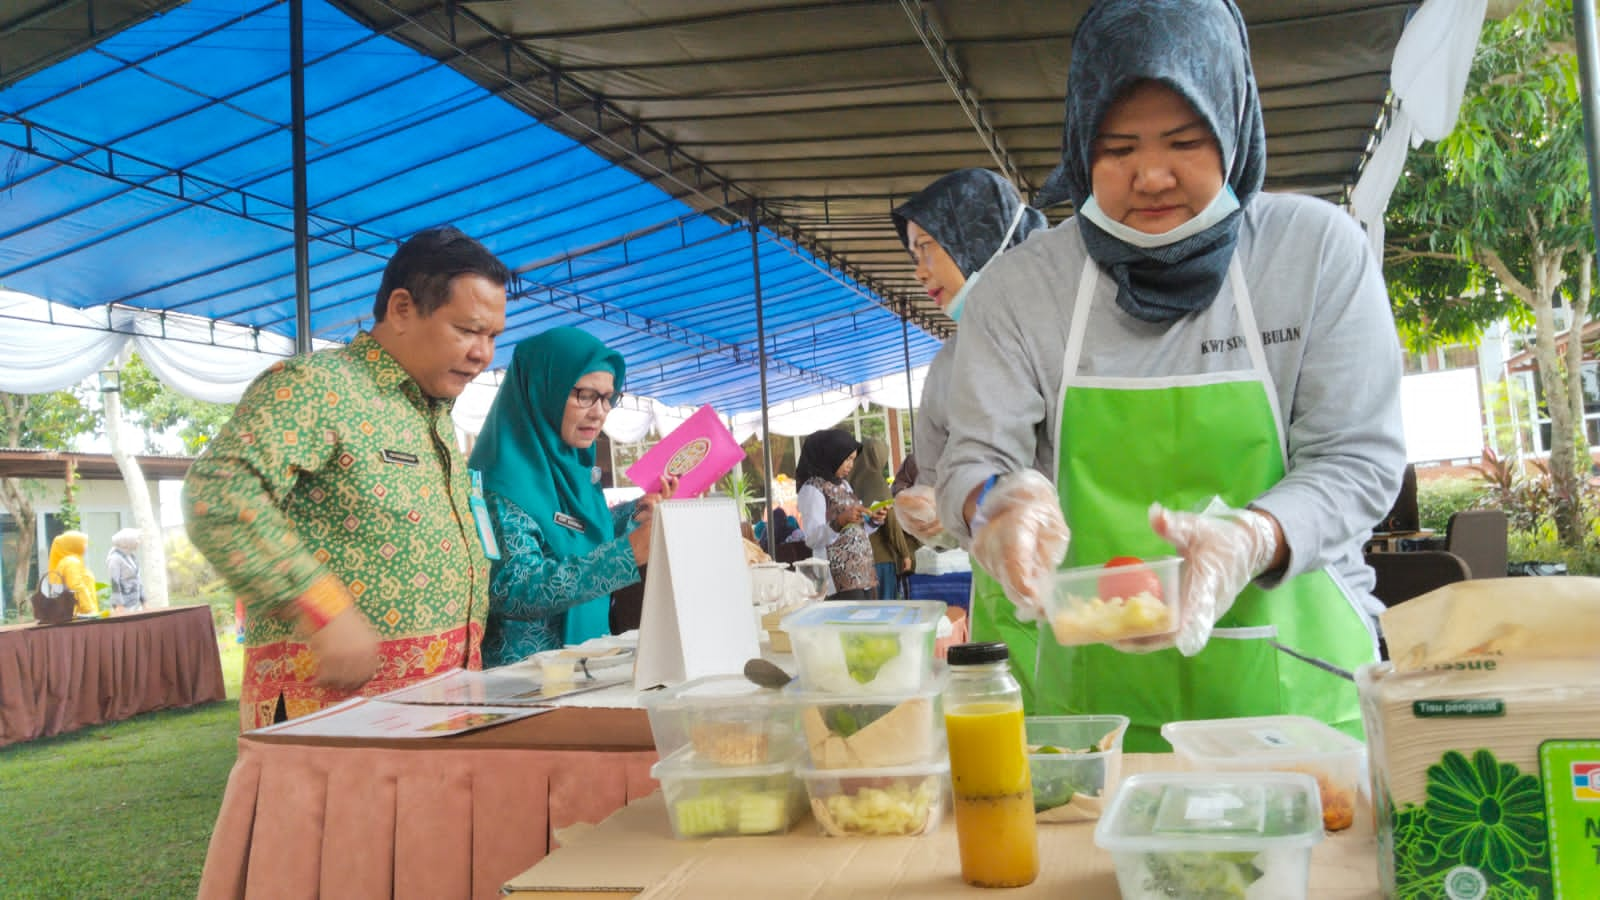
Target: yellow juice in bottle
{"points": [[993, 794]]}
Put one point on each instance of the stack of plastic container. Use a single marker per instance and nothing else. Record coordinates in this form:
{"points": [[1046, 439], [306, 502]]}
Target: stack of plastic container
{"points": [[1283, 744], [728, 754], [868, 700]]}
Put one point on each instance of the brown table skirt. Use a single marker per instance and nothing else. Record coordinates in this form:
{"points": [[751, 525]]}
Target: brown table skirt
{"points": [[58, 678]]}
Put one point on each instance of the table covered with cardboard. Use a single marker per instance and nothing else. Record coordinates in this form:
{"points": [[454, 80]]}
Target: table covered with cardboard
{"points": [[633, 853]]}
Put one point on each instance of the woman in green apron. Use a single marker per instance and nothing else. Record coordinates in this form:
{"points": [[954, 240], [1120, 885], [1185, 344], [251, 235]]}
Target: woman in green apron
{"points": [[1187, 365], [953, 228]]}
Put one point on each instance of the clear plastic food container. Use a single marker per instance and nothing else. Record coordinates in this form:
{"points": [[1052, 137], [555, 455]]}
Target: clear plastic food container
{"points": [[1193, 834], [1283, 744], [844, 731], [1125, 598], [867, 647], [728, 720], [897, 800], [709, 800], [1076, 763]]}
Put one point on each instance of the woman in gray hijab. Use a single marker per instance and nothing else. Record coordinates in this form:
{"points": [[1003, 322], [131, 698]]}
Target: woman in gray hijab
{"points": [[1188, 366], [953, 228]]}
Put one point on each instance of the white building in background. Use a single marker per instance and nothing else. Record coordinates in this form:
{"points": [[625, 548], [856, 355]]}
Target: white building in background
{"points": [[102, 500]]}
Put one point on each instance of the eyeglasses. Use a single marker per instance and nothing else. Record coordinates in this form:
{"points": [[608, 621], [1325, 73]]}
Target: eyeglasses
{"points": [[588, 397]]}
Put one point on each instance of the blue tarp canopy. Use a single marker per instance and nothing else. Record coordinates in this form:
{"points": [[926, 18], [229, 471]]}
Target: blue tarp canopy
{"points": [[610, 151], [153, 170]]}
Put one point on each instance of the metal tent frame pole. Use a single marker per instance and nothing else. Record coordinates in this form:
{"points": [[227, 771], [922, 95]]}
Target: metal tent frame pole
{"points": [[911, 397], [302, 230], [1588, 70], [761, 362]]}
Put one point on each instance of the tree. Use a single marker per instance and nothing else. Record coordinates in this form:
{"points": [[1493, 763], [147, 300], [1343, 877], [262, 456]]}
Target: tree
{"points": [[45, 422], [158, 409], [155, 408], [1493, 221]]}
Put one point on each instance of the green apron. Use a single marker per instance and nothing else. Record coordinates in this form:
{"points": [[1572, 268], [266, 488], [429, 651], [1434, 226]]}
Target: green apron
{"points": [[1180, 440], [991, 617]]}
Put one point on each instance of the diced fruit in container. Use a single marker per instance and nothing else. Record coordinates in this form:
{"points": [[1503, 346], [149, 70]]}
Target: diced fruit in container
{"points": [[1127, 598], [701, 816]]}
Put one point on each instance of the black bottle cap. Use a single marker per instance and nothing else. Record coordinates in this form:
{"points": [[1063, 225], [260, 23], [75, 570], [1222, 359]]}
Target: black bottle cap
{"points": [[977, 654]]}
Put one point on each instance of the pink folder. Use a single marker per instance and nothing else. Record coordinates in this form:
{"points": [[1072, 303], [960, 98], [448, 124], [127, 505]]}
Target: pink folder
{"points": [[699, 451]]}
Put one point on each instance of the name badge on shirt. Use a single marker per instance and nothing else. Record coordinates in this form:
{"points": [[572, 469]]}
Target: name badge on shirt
{"points": [[399, 458], [480, 517], [566, 521]]}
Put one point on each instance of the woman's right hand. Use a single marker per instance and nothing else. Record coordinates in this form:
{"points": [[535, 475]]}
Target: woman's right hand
{"points": [[918, 512], [851, 516]]}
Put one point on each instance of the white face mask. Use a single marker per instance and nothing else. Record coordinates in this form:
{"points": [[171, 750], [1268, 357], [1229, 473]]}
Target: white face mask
{"points": [[1218, 209], [960, 301]]}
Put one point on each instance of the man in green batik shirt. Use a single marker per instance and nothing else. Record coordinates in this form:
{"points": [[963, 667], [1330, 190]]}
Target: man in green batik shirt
{"points": [[336, 504]]}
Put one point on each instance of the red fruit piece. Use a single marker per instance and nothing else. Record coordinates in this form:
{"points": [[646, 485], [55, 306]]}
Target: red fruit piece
{"points": [[1135, 579]]}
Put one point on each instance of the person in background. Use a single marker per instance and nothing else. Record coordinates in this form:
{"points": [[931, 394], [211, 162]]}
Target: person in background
{"points": [[837, 527], [68, 569], [336, 506], [906, 475], [562, 551], [122, 568], [1187, 366], [781, 528], [954, 228], [891, 552]]}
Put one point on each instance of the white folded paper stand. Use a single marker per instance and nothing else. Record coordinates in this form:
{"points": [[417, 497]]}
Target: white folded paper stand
{"points": [[697, 618]]}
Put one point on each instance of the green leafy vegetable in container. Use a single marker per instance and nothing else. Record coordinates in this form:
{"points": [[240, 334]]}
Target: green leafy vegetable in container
{"points": [[865, 654]]}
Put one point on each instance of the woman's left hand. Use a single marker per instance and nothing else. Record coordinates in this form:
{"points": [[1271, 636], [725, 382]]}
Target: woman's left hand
{"points": [[1223, 550], [647, 504], [879, 515]]}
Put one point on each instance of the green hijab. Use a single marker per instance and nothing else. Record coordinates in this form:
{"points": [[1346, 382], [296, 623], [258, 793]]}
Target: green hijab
{"points": [[523, 458]]}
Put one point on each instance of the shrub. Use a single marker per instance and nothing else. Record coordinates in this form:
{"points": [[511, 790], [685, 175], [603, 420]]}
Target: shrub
{"points": [[190, 579], [1438, 498], [1543, 545]]}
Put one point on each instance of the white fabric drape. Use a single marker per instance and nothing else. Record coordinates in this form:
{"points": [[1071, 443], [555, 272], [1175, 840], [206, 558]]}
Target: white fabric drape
{"points": [[51, 347], [48, 346], [1428, 77]]}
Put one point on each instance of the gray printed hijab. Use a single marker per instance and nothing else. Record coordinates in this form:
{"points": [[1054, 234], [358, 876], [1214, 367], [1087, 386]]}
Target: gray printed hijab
{"points": [[968, 212], [1200, 49]]}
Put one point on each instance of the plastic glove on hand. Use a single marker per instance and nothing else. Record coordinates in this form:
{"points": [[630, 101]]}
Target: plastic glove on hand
{"points": [[1223, 549], [917, 511], [1020, 538]]}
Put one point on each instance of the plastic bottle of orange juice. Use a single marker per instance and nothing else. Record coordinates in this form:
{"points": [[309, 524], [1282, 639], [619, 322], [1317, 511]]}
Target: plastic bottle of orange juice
{"points": [[989, 768]]}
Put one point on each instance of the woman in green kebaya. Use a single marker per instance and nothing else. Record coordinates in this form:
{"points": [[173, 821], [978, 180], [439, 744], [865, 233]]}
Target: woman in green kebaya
{"points": [[562, 551]]}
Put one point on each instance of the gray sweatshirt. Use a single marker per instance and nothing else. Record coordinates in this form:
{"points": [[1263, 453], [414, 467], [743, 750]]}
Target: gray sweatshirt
{"points": [[933, 420], [1319, 300]]}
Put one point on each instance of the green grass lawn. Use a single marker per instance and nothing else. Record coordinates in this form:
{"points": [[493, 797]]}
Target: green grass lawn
{"points": [[118, 810]]}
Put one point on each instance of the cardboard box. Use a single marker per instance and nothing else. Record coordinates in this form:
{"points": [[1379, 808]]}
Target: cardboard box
{"points": [[633, 853]]}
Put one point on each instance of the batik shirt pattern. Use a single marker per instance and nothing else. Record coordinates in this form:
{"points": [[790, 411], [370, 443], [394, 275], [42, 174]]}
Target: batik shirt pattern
{"points": [[336, 463], [531, 588]]}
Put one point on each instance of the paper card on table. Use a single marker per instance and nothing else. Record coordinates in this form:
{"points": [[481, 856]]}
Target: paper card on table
{"points": [[699, 451], [698, 618], [362, 717], [522, 684]]}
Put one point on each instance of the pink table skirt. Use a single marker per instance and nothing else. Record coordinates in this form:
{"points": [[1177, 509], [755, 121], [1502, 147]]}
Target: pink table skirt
{"points": [[352, 822]]}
